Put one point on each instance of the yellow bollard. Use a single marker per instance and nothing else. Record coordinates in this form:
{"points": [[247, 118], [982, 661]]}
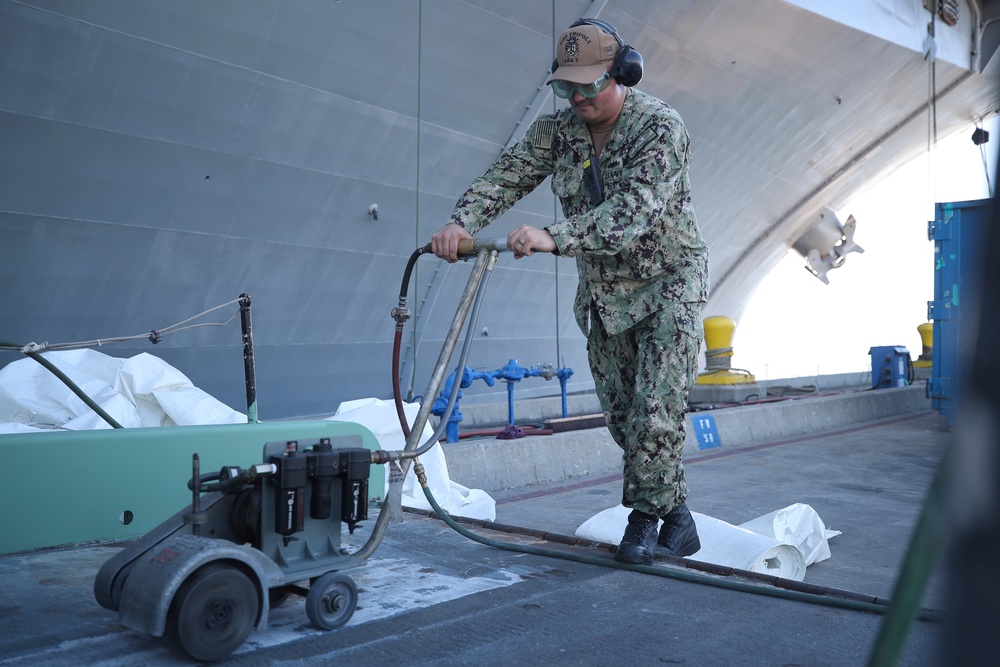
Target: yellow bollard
{"points": [[926, 331], [719, 331]]}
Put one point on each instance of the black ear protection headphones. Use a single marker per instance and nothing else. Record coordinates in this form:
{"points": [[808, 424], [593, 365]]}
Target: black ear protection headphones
{"points": [[626, 68]]}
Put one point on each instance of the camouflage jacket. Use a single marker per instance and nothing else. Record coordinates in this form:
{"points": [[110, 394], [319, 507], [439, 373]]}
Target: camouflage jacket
{"points": [[641, 249]]}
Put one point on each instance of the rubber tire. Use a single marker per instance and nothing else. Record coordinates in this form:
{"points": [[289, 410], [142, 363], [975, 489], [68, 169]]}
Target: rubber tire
{"points": [[331, 600], [212, 613]]}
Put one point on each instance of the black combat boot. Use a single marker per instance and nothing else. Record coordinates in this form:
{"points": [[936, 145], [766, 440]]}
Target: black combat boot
{"points": [[639, 543], [678, 535]]}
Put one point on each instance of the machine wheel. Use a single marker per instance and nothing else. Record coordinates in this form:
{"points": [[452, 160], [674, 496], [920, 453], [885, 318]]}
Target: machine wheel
{"points": [[212, 612], [331, 600]]}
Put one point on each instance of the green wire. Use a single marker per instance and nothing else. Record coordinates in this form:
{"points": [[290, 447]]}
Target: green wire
{"points": [[925, 550], [671, 573]]}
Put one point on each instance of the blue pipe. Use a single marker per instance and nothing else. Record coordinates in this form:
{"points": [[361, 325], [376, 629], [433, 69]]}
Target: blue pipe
{"points": [[512, 372]]}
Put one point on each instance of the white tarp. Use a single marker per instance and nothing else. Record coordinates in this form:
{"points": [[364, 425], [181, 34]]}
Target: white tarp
{"points": [[146, 391], [381, 419], [140, 391], [782, 543], [799, 525]]}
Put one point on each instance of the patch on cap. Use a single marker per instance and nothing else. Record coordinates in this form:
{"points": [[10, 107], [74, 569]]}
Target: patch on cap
{"points": [[583, 54]]}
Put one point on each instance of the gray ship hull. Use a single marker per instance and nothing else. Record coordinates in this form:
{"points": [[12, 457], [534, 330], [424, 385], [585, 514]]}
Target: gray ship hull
{"points": [[161, 158]]}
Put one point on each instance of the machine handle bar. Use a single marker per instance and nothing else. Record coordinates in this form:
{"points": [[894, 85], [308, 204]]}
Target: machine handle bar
{"points": [[474, 245], [471, 247]]}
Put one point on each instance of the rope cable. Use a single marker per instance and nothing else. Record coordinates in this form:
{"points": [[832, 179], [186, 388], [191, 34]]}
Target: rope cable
{"points": [[931, 114], [416, 224], [718, 359], [154, 335], [986, 163], [555, 212], [34, 350]]}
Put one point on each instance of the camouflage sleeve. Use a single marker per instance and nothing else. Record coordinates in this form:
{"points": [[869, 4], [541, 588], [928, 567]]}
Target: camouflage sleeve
{"points": [[646, 195], [518, 171]]}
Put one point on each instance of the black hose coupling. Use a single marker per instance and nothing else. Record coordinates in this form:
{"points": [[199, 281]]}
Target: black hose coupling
{"points": [[400, 313], [383, 456]]}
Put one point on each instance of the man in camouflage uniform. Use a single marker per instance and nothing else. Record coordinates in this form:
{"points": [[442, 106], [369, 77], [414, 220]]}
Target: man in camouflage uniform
{"points": [[619, 165]]}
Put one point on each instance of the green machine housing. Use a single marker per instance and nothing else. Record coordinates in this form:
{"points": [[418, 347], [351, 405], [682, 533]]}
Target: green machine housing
{"points": [[117, 484]]}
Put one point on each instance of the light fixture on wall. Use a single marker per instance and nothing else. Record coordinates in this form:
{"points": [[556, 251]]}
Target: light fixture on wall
{"points": [[826, 242]]}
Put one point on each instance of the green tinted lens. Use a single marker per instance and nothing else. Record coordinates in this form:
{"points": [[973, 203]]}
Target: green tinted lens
{"points": [[599, 85], [564, 89]]}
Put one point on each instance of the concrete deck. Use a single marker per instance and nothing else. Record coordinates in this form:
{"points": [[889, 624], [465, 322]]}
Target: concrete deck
{"points": [[430, 596]]}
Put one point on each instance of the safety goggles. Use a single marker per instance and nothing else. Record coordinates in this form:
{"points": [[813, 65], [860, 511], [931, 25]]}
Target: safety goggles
{"points": [[564, 89]]}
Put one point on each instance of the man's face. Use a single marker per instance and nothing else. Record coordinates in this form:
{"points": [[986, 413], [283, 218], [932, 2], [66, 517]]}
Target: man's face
{"points": [[601, 109]]}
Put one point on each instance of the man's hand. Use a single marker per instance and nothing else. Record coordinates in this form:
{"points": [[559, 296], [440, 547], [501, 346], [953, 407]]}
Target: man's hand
{"points": [[527, 240], [444, 242]]}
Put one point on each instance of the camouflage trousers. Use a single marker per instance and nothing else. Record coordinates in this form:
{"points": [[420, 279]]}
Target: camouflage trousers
{"points": [[642, 377]]}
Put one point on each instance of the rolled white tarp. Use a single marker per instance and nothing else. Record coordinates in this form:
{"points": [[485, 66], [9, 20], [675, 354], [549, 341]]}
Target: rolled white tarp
{"points": [[733, 546], [781, 543], [797, 524]]}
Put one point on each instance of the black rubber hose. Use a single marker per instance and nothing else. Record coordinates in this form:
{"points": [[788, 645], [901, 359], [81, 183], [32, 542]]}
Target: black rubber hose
{"points": [[404, 286], [683, 575], [397, 342], [52, 368], [473, 292], [473, 318]]}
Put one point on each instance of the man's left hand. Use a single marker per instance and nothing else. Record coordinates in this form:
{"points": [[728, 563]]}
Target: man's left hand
{"points": [[527, 240]]}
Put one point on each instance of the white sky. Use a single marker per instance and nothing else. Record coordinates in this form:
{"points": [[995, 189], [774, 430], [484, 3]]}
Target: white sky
{"points": [[795, 326]]}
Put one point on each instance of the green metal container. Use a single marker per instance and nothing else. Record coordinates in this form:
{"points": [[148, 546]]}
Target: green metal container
{"points": [[61, 488]]}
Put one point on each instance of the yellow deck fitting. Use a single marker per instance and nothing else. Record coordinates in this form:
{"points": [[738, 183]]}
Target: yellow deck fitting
{"points": [[719, 332], [926, 331]]}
